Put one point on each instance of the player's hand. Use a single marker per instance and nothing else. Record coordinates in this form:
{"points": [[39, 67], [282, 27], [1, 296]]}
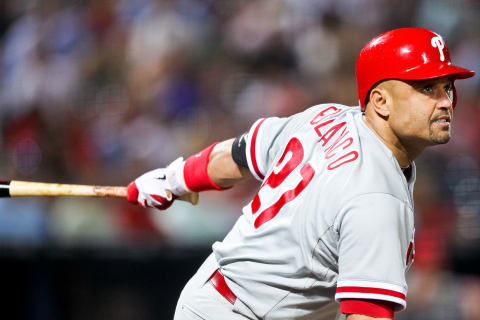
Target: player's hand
{"points": [[160, 187], [151, 190]]}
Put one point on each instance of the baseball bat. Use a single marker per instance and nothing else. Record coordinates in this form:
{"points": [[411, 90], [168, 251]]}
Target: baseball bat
{"points": [[15, 188]]}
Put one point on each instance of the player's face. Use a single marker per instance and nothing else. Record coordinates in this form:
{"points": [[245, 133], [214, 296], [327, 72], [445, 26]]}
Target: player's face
{"points": [[422, 111]]}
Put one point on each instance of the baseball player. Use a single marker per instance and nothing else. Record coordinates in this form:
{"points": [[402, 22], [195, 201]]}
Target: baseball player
{"points": [[330, 231]]}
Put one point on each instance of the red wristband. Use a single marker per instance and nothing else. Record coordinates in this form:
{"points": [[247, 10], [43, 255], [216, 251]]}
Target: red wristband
{"points": [[371, 308], [195, 172]]}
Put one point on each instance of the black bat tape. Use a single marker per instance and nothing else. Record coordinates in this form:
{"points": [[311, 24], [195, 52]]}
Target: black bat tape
{"points": [[4, 189]]}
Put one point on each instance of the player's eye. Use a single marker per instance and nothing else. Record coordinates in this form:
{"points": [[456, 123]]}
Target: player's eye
{"points": [[427, 89]]}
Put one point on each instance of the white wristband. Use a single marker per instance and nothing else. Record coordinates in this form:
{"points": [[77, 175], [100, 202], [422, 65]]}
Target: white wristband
{"points": [[176, 179]]}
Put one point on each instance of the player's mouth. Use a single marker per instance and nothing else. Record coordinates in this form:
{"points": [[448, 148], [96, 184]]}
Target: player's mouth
{"points": [[443, 121]]}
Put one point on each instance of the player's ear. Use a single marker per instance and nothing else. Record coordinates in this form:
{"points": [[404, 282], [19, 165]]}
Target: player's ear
{"points": [[380, 100]]}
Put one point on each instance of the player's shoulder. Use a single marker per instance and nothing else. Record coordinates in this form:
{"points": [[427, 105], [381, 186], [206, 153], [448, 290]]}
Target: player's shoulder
{"points": [[302, 123], [356, 160], [325, 111], [330, 110], [377, 172], [322, 115]]}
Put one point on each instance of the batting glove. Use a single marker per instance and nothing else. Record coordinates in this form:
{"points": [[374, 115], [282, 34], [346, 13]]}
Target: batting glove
{"points": [[160, 187], [151, 190]]}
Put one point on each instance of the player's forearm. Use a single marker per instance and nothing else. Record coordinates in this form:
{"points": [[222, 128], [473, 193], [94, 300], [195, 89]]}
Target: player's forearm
{"points": [[362, 317], [222, 169]]}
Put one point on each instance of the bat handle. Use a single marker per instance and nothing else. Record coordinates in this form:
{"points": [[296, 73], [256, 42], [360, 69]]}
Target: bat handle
{"points": [[122, 192], [107, 191]]}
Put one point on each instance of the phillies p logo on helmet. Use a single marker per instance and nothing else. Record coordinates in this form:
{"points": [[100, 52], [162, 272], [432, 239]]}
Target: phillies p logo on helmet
{"points": [[437, 42]]}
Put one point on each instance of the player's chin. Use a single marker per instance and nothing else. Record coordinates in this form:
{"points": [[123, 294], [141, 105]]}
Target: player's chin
{"points": [[440, 138], [440, 134]]}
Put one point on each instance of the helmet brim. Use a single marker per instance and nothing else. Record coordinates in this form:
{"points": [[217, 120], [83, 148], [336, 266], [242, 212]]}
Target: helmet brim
{"points": [[430, 71]]}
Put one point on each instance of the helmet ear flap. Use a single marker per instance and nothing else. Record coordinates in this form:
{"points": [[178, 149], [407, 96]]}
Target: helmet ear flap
{"points": [[454, 102]]}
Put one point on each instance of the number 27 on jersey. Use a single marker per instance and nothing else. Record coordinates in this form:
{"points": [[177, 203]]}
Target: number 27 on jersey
{"points": [[291, 158]]}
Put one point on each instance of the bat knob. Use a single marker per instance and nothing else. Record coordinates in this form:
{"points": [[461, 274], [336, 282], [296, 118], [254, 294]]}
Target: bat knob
{"points": [[190, 197]]}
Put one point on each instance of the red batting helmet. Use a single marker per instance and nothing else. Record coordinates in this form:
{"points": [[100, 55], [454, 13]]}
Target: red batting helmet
{"points": [[405, 54]]}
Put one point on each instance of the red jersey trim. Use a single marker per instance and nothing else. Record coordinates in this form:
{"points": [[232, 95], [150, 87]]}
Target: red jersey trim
{"points": [[253, 157], [371, 308], [372, 290]]}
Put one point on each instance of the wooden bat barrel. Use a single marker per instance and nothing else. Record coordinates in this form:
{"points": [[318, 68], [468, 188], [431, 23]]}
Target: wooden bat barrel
{"points": [[16, 188]]}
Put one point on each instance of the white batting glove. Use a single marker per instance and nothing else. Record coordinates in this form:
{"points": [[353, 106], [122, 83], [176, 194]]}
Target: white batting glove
{"points": [[151, 190], [160, 187]]}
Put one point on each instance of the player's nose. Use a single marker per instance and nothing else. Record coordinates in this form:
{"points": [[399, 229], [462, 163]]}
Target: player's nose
{"points": [[444, 100]]}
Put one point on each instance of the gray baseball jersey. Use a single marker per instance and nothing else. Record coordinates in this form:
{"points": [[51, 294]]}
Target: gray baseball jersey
{"points": [[333, 218]]}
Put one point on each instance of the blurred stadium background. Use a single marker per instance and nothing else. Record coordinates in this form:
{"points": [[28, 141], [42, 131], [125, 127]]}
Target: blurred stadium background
{"points": [[98, 92]]}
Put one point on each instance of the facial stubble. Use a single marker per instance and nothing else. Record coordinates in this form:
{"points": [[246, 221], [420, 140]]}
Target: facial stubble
{"points": [[439, 137]]}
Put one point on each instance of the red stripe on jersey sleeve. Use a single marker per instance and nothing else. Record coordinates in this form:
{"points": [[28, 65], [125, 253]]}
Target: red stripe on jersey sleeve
{"points": [[371, 308], [252, 150], [372, 291]]}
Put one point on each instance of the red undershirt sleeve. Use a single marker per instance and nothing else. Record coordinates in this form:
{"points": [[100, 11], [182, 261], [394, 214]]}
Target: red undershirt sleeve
{"points": [[371, 308]]}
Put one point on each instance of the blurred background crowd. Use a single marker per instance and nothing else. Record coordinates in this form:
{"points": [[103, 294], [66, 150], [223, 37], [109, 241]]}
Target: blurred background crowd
{"points": [[100, 91]]}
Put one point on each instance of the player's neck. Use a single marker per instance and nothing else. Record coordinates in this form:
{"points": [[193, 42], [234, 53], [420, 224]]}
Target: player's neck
{"points": [[404, 155]]}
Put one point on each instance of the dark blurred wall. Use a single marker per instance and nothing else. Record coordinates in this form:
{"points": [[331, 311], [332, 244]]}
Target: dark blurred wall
{"points": [[94, 284]]}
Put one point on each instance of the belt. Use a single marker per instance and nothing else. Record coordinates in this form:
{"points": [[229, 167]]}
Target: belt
{"points": [[218, 282]]}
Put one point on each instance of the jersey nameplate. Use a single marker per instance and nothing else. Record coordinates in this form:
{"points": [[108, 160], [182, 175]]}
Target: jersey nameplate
{"points": [[336, 141]]}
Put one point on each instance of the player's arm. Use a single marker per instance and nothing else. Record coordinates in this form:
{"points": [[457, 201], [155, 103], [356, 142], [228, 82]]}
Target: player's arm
{"points": [[363, 309], [375, 230], [217, 167], [223, 169]]}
